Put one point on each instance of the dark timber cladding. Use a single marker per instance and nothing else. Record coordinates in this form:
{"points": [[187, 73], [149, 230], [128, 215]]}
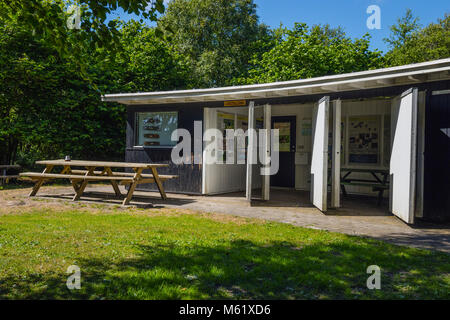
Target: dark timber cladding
{"points": [[190, 176], [437, 158]]}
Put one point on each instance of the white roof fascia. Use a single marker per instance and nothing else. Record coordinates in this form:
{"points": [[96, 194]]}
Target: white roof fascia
{"points": [[346, 82]]}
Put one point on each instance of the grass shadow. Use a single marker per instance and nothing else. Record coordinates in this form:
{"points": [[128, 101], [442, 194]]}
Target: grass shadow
{"points": [[243, 269]]}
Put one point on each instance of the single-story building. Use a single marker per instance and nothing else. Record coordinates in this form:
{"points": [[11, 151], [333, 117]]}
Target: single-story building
{"points": [[394, 122]]}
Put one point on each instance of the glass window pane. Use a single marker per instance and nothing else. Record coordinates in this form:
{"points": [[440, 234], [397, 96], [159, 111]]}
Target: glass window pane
{"points": [[154, 129]]}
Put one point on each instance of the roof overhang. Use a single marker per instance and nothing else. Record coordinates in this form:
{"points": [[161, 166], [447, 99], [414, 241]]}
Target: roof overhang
{"points": [[437, 70]]}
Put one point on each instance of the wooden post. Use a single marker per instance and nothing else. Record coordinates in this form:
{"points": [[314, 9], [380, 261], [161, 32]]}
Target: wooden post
{"points": [[39, 183], [83, 185], [136, 177], [336, 156], [159, 184], [113, 183], [250, 150], [267, 152]]}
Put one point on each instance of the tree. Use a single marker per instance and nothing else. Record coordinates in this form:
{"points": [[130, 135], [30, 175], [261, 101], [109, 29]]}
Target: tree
{"points": [[146, 62], [48, 20], [47, 110], [305, 52], [216, 37], [411, 44], [404, 31]]}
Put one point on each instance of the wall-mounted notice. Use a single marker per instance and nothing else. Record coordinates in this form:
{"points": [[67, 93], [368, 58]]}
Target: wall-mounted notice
{"points": [[306, 127], [364, 137], [154, 129], [284, 135], [301, 158]]}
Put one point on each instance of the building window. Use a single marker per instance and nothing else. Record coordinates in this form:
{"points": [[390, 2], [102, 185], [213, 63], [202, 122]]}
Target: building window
{"points": [[154, 129]]}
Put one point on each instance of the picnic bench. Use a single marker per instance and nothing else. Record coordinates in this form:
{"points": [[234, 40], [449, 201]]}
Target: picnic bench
{"points": [[4, 168], [81, 177], [378, 180]]}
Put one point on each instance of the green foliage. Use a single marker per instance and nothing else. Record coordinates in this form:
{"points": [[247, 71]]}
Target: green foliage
{"points": [[310, 52], [146, 62], [48, 110], [52, 77], [411, 44], [404, 31], [216, 37], [48, 19]]}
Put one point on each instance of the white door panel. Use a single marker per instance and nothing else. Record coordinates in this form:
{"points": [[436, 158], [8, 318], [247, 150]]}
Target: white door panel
{"points": [[319, 162], [403, 156], [251, 151]]}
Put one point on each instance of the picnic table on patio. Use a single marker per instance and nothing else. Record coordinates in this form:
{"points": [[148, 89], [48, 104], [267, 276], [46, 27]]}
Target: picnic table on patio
{"points": [[80, 178], [378, 180]]}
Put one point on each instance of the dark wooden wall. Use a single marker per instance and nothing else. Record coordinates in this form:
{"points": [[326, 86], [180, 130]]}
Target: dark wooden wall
{"points": [[190, 176], [437, 158]]}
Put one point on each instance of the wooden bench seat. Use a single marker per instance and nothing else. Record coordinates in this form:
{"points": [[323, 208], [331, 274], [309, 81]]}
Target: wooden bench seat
{"points": [[4, 176], [163, 177], [358, 184], [37, 175], [9, 177], [380, 187]]}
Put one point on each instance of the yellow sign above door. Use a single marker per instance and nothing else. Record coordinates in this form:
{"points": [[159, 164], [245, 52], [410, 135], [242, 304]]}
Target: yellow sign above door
{"points": [[235, 103]]}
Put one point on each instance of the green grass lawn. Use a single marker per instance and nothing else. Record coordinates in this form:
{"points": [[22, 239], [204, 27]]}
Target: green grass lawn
{"points": [[151, 254]]}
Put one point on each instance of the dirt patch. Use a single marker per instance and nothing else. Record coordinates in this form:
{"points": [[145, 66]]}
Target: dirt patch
{"points": [[17, 201]]}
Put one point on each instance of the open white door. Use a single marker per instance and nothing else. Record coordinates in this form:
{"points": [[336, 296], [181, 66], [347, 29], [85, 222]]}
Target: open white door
{"points": [[251, 149], [266, 152], [403, 155], [336, 156], [319, 161]]}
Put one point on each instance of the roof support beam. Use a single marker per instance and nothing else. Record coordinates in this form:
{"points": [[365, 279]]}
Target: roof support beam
{"points": [[303, 90], [280, 93], [194, 99], [356, 85], [333, 88], [386, 81], [258, 94], [418, 78]]}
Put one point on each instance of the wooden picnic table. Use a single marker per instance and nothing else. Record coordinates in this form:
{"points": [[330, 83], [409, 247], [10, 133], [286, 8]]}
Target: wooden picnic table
{"points": [[379, 183], [80, 178], [4, 177]]}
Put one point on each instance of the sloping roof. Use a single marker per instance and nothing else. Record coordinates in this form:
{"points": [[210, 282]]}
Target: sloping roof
{"points": [[402, 75]]}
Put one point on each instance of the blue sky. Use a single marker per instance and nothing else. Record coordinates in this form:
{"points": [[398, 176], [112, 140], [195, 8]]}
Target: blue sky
{"points": [[350, 14]]}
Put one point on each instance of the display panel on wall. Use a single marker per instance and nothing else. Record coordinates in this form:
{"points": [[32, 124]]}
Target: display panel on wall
{"points": [[224, 121], [364, 140], [154, 129]]}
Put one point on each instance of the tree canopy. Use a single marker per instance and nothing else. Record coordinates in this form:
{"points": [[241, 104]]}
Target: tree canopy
{"points": [[305, 52], [52, 76], [409, 43], [216, 37]]}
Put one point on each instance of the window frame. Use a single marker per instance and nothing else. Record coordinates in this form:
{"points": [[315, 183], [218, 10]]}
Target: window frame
{"points": [[137, 130]]}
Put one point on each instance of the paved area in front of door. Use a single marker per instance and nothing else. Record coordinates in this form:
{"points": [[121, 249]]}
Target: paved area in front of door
{"points": [[359, 216]]}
